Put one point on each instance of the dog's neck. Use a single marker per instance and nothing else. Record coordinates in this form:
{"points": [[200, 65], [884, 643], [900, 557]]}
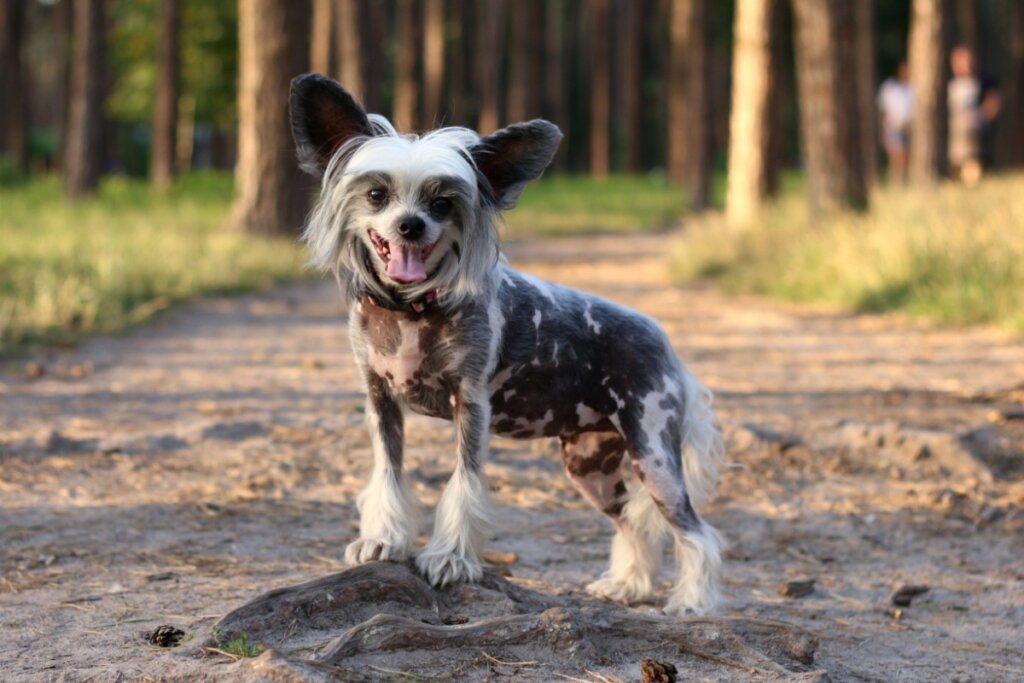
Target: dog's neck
{"points": [[394, 303]]}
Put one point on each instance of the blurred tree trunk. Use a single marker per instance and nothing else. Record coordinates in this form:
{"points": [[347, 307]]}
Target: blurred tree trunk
{"points": [[631, 76], [554, 71], [373, 55], [781, 98], [83, 158], [490, 48], [750, 121], [867, 111], [13, 83], [600, 77], [433, 63], [347, 49], [321, 47], [168, 88], [1010, 133], [62, 28], [689, 100], [406, 81], [271, 196], [825, 55], [459, 85], [928, 78], [524, 51], [969, 28]]}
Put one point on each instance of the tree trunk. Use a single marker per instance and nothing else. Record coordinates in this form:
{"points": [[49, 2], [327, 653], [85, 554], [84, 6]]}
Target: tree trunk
{"points": [[600, 76], [928, 78], [490, 48], [554, 71], [782, 101], [867, 111], [271, 197], [631, 81], [459, 84], [433, 63], [84, 148], [828, 104], [749, 140], [373, 55], [168, 88], [523, 86], [406, 82], [689, 100], [1010, 134], [321, 49], [13, 83], [348, 48]]}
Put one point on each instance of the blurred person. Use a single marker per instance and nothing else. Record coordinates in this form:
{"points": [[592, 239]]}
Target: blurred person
{"points": [[973, 104], [896, 107]]}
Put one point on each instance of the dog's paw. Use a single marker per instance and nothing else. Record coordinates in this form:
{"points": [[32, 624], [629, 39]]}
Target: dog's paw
{"points": [[371, 549], [442, 568], [617, 590]]}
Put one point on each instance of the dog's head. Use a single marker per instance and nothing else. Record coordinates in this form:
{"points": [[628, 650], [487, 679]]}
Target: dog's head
{"points": [[404, 215]]}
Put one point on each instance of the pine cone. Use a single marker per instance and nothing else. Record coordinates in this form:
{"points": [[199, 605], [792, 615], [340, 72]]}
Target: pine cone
{"points": [[166, 636], [657, 672]]}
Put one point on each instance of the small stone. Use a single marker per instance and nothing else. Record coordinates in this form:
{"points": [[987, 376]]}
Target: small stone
{"points": [[895, 612], [455, 620], [166, 636], [653, 671], [34, 369], [80, 370], [796, 589], [312, 364], [906, 594], [499, 557]]}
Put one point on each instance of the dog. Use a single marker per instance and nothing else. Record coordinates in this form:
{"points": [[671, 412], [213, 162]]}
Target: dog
{"points": [[441, 326]]}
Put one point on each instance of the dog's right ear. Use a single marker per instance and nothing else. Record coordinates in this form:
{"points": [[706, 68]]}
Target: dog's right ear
{"points": [[324, 117]]}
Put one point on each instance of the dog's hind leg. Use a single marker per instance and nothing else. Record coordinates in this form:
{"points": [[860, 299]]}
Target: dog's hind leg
{"points": [[462, 521], [664, 423], [389, 511], [592, 462]]}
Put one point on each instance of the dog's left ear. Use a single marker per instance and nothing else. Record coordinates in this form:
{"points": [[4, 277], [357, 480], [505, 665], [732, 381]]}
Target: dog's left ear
{"points": [[511, 157], [324, 117]]}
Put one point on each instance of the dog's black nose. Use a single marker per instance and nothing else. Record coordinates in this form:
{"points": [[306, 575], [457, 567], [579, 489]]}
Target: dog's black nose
{"points": [[412, 227]]}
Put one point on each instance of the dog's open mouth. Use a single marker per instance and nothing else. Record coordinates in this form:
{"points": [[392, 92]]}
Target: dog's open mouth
{"points": [[403, 263]]}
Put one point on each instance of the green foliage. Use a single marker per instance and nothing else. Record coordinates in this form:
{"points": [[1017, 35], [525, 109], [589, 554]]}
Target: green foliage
{"points": [[562, 205], [953, 255], [116, 259], [209, 59], [238, 646]]}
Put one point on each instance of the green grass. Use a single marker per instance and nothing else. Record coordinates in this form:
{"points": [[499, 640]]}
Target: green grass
{"points": [[116, 259], [564, 205], [238, 646], [954, 255]]}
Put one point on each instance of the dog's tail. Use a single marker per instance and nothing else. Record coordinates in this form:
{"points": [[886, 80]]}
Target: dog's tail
{"points": [[703, 448]]}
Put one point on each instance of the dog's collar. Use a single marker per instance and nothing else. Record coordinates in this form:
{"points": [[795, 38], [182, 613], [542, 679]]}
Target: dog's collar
{"points": [[427, 301]]}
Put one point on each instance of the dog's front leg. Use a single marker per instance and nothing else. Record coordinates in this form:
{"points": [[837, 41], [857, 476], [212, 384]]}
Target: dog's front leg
{"points": [[462, 521], [389, 511]]}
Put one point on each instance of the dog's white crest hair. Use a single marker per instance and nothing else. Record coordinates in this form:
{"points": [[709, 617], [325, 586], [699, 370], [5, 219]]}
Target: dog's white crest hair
{"points": [[447, 152]]}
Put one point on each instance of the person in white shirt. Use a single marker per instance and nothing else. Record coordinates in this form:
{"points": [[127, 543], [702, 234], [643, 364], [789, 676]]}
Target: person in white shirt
{"points": [[896, 107]]}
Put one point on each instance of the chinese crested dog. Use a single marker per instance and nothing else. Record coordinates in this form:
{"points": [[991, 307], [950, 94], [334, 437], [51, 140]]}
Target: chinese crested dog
{"points": [[442, 327]]}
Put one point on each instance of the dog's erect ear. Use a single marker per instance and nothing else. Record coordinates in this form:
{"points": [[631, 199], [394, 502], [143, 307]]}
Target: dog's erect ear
{"points": [[324, 117], [511, 157]]}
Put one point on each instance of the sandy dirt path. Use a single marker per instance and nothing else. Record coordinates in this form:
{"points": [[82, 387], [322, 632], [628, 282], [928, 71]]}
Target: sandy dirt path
{"points": [[170, 475]]}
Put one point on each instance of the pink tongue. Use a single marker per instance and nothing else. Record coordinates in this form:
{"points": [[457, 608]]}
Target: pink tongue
{"points": [[405, 264]]}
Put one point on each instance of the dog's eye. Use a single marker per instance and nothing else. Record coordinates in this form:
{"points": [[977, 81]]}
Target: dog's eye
{"points": [[377, 196], [440, 206]]}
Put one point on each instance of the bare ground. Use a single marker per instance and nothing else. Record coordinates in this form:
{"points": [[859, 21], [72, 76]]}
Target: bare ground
{"points": [[172, 475]]}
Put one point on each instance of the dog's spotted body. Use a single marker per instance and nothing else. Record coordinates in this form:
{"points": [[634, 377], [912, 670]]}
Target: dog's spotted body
{"points": [[440, 326]]}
